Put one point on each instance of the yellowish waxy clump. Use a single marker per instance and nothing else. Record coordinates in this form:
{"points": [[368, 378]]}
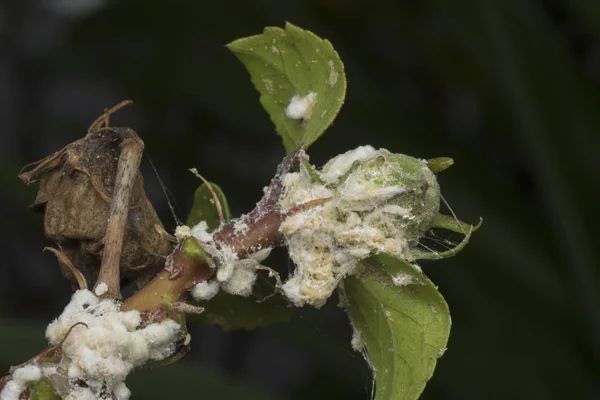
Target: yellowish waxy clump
{"points": [[378, 201]]}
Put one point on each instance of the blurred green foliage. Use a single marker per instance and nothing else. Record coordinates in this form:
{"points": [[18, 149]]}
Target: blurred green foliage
{"points": [[508, 88]]}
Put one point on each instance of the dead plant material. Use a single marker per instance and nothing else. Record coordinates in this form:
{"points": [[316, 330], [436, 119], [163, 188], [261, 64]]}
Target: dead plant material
{"points": [[67, 265], [77, 185]]}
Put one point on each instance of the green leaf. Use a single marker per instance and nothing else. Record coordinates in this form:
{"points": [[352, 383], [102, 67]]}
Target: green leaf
{"points": [[439, 164], [233, 313], [294, 62], [405, 328], [43, 390], [205, 210]]}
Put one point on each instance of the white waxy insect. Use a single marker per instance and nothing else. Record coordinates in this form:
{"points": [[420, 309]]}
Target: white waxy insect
{"points": [[301, 107]]}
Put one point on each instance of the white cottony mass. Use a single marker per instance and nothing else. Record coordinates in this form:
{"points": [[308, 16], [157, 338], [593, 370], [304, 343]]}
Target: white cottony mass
{"points": [[367, 204], [100, 345], [21, 378], [301, 107]]}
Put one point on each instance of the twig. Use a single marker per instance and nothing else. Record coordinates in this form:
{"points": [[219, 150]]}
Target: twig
{"points": [[50, 353], [127, 169], [104, 120], [159, 228], [215, 198], [39, 166], [64, 260], [307, 205], [263, 221], [153, 295], [185, 308], [278, 284]]}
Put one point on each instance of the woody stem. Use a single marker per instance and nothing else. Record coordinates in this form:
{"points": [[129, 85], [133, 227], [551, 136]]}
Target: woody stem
{"points": [[127, 170]]}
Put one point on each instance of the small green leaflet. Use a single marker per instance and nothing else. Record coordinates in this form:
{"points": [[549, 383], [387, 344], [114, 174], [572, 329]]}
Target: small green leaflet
{"points": [[404, 327], [283, 63], [228, 311], [203, 208], [43, 390]]}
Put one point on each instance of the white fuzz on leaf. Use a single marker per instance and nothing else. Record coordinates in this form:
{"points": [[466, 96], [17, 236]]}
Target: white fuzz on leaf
{"points": [[200, 232], [182, 231], [81, 393], [225, 272], [205, 290], [242, 279], [301, 107], [27, 374], [404, 280], [12, 391], [357, 342], [339, 165], [236, 276], [121, 391]]}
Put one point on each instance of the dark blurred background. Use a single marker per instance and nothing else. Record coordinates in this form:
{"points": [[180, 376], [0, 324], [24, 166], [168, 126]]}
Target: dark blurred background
{"points": [[509, 88]]}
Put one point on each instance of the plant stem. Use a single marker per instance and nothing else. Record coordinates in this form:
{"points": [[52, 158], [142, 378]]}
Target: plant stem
{"points": [[127, 170], [183, 270]]}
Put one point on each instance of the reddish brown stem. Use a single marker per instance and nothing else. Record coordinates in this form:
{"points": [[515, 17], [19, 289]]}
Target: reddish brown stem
{"points": [[263, 231], [263, 222], [182, 272]]}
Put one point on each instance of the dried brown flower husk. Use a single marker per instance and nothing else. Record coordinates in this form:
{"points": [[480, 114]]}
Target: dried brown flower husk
{"points": [[75, 194]]}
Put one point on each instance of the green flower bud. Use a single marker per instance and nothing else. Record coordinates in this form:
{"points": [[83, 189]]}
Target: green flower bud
{"points": [[363, 202], [388, 188]]}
